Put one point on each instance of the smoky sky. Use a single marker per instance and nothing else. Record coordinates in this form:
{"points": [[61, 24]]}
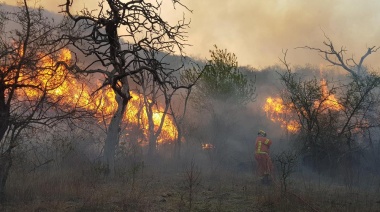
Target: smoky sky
{"points": [[257, 31]]}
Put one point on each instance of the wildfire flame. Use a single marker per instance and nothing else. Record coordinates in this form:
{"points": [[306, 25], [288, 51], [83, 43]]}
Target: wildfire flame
{"points": [[277, 111], [329, 100], [281, 113], [63, 86]]}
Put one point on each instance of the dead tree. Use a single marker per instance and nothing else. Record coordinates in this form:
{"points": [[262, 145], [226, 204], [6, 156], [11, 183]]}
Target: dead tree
{"points": [[178, 111], [159, 99], [360, 97], [286, 163], [337, 57], [121, 35], [334, 130], [29, 66]]}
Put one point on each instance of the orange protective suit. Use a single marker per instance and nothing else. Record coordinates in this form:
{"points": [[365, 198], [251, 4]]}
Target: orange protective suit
{"points": [[264, 162]]}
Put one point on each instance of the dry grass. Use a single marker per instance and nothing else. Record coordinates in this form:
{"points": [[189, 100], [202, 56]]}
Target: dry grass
{"points": [[163, 188]]}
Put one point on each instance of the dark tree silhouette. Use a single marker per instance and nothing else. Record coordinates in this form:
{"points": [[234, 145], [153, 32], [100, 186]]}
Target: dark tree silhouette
{"points": [[30, 69], [126, 37]]}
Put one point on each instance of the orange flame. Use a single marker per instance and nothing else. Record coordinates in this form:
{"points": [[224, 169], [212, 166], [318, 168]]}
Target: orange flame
{"points": [[328, 100], [133, 116], [63, 86], [279, 112]]}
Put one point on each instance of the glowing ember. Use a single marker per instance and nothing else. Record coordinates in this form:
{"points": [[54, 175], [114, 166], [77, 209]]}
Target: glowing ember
{"points": [[207, 146], [361, 125], [61, 86]]}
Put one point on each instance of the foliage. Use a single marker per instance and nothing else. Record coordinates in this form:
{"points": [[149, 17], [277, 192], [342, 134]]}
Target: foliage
{"points": [[222, 81]]}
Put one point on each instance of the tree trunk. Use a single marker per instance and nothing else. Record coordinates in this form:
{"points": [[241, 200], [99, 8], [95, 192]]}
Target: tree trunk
{"points": [[5, 157], [4, 124], [152, 144], [178, 144], [153, 135], [113, 132], [4, 114], [152, 138], [5, 165]]}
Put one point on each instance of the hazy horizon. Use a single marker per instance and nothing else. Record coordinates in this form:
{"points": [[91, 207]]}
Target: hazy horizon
{"points": [[258, 31]]}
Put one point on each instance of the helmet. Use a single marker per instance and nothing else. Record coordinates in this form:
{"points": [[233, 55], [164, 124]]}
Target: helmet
{"points": [[262, 133]]}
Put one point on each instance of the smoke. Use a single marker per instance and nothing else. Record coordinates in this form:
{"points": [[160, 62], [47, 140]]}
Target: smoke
{"points": [[257, 31]]}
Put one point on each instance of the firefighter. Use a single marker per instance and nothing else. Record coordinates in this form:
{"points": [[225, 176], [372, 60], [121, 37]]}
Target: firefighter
{"points": [[264, 162]]}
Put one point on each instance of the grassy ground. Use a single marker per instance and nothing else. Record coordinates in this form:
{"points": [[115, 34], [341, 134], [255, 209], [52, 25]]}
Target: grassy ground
{"points": [[186, 188]]}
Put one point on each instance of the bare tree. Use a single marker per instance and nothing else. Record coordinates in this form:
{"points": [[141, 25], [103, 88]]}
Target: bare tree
{"points": [[178, 111], [337, 57], [152, 94], [360, 99], [191, 181], [330, 133], [31, 68], [124, 37], [300, 96], [286, 162]]}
